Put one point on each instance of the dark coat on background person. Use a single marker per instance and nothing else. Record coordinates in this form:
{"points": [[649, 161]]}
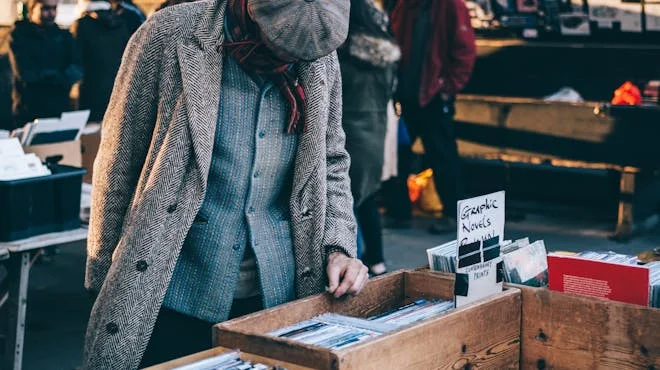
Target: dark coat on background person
{"points": [[151, 176], [45, 66], [101, 36], [132, 16], [368, 61]]}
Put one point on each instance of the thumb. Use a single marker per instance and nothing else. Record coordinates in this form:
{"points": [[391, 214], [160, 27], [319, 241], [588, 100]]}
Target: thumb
{"points": [[334, 272]]}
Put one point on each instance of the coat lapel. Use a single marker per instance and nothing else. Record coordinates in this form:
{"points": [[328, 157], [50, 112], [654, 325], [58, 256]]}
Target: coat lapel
{"points": [[201, 76], [201, 73]]}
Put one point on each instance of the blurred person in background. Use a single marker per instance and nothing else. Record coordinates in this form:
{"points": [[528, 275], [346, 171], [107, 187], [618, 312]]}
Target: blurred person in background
{"points": [[132, 15], [368, 63], [439, 52], [44, 63], [101, 36], [168, 3]]}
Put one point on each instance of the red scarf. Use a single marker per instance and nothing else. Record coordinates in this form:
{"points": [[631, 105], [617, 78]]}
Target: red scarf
{"points": [[250, 51]]}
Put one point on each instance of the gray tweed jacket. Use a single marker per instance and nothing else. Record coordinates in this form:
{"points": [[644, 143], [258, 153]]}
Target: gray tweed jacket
{"points": [[150, 176]]}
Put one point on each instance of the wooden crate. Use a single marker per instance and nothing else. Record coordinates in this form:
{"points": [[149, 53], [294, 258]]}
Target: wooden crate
{"points": [[565, 331], [217, 351], [483, 335]]}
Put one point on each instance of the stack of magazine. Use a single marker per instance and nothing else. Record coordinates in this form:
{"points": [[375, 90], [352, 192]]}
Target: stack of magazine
{"points": [[419, 310], [332, 331], [226, 361], [609, 257], [624, 259], [443, 257], [335, 332], [16, 165], [524, 262], [654, 268]]}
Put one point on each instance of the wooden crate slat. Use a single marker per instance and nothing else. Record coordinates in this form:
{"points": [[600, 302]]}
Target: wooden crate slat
{"points": [[429, 284], [565, 331], [420, 346], [482, 336]]}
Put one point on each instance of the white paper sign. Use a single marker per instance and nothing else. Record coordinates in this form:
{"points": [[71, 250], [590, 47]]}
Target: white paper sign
{"points": [[481, 218], [480, 231]]}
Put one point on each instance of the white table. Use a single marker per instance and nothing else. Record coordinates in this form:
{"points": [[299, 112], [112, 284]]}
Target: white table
{"points": [[18, 256]]}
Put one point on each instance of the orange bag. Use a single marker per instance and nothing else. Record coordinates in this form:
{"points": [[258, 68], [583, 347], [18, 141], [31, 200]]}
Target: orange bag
{"points": [[627, 94]]}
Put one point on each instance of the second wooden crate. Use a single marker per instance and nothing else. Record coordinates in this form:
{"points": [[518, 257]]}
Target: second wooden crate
{"points": [[483, 335]]}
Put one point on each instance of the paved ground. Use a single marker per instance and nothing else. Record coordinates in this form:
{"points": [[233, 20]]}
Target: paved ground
{"points": [[58, 307]]}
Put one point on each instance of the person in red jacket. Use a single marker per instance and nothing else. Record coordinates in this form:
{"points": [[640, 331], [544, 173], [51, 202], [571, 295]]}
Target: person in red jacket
{"points": [[438, 54]]}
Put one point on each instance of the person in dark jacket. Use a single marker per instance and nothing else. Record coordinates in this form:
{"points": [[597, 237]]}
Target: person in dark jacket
{"points": [[101, 35], [44, 64], [439, 51], [168, 3], [131, 14], [368, 61]]}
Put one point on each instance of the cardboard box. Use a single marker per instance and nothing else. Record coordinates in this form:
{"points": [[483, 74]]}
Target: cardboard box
{"points": [[565, 331], [482, 335], [69, 150], [90, 141]]}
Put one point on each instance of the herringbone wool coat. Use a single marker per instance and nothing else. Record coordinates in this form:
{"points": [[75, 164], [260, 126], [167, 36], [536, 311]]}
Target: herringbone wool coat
{"points": [[150, 176]]}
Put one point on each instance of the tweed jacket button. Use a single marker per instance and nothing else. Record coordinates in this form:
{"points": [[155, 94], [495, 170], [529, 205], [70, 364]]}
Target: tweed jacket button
{"points": [[141, 266], [112, 328], [306, 273], [171, 208], [236, 247], [262, 134]]}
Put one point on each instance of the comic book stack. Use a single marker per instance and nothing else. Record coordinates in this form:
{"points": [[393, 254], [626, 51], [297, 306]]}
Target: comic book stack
{"points": [[334, 331]]}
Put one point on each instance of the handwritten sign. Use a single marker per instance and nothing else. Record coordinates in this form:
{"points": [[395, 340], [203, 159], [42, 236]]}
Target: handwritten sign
{"points": [[480, 231], [481, 218]]}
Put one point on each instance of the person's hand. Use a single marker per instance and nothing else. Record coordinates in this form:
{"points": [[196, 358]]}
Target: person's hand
{"points": [[346, 275]]}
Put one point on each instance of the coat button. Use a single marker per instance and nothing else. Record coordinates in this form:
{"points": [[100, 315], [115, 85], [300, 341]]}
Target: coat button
{"points": [[262, 134], [141, 266], [112, 328], [306, 273], [171, 208], [236, 247]]}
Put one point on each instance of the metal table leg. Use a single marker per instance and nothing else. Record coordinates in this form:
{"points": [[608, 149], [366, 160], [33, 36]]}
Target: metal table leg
{"points": [[19, 273]]}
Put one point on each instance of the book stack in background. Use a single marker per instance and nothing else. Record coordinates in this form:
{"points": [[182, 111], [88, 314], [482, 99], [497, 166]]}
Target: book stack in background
{"points": [[16, 165], [654, 268], [524, 262], [609, 275], [226, 361]]}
